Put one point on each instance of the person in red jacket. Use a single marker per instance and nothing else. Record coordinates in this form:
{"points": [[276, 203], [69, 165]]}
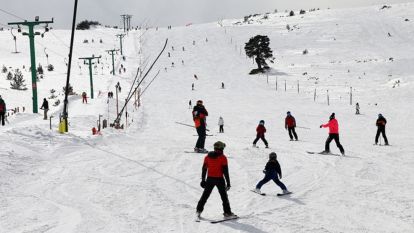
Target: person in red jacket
{"points": [[333, 134], [261, 130], [290, 125], [216, 168]]}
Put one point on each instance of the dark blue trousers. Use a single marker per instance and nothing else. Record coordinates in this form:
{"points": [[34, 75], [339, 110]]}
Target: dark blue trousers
{"points": [[267, 178]]}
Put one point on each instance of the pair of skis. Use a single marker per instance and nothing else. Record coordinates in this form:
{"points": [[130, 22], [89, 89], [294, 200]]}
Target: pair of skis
{"points": [[279, 194], [199, 219]]}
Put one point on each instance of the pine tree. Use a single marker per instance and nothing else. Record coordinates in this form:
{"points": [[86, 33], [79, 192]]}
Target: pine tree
{"points": [[258, 48], [4, 69], [18, 81]]}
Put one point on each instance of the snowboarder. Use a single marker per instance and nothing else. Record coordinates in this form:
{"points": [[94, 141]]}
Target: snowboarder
{"points": [[290, 125], [333, 134], [261, 130], [199, 116], [45, 107], [215, 166], [221, 124], [2, 110], [84, 98], [381, 122], [190, 105], [273, 172], [357, 109]]}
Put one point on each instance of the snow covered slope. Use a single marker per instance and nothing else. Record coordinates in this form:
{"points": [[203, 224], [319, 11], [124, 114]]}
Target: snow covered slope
{"points": [[140, 179]]}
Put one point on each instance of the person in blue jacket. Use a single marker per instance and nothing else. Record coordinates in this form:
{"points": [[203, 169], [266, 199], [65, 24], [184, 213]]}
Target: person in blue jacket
{"points": [[272, 172]]}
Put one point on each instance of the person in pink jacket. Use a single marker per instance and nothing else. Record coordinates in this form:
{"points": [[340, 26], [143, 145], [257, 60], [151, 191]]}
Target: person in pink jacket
{"points": [[333, 134]]}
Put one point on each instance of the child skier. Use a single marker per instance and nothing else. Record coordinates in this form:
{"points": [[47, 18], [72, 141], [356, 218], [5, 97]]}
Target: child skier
{"points": [[290, 124], [273, 172], [221, 124], [261, 130], [84, 98]]}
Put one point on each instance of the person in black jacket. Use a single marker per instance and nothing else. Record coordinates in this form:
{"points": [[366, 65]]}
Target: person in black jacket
{"points": [[272, 172], [381, 122], [45, 107], [199, 116], [2, 110]]}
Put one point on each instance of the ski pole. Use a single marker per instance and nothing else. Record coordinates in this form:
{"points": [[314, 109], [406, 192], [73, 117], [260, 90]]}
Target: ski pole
{"points": [[300, 127]]}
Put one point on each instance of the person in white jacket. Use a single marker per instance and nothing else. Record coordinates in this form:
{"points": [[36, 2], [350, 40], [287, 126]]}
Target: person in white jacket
{"points": [[221, 124]]}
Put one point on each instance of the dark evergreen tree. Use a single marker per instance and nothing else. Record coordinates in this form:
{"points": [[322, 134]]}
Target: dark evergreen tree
{"points": [[50, 67], [18, 81], [292, 13], [4, 69], [258, 48]]}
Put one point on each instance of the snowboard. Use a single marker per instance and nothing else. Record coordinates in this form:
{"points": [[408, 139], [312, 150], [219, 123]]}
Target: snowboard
{"points": [[283, 194], [263, 194]]}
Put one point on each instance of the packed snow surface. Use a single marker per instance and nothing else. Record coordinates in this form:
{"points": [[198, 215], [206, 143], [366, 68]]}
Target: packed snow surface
{"points": [[141, 180]]}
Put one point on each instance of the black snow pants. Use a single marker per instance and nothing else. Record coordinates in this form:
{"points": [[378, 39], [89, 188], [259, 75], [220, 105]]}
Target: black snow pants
{"points": [[2, 116], [201, 131], [291, 131], [221, 186], [334, 136], [260, 137], [381, 130]]}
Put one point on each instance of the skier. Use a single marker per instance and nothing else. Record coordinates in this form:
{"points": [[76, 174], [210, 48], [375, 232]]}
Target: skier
{"points": [[2, 110], [273, 172], [192, 86], [84, 98], [381, 122], [261, 130], [357, 109], [290, 124], [333, 134], [199, 116], [221, 124], [222, 85], [216, 168], [45, 107]]}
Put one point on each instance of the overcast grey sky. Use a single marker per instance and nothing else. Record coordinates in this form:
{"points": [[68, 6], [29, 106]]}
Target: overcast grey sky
{"points": [[161, 12]]}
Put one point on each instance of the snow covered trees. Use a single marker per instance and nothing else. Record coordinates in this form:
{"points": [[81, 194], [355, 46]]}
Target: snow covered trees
{"points": [[18, 81], [258, 48]]}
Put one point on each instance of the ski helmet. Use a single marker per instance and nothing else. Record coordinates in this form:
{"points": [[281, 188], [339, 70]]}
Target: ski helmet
{"points": [[273, 155], [261, 122], [288, 113], [332, 116], [199, 102], [380, 115], [219, 145]]}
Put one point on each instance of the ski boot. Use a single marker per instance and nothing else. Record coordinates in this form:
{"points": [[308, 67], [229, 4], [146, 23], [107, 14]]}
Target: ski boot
{"points": [[229, 215]]}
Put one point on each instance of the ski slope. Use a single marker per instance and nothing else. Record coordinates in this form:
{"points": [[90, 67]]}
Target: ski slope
{"points": [[141, 180]]}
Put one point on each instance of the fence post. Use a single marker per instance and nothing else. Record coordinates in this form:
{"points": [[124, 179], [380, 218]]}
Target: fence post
{"points": [[298, 86], [285, 85], [327, 96], [276, 83], [350, 96]]}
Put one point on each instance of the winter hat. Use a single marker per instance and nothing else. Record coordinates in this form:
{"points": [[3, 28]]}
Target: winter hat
{"points": [[273, 155], [379, 115], [332, 116], [288, 113], [261, 122], [219, 145], [199, 102]]}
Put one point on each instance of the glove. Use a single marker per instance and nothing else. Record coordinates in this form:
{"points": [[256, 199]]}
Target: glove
{"points": [[228, 187], [203, 183], [320, 126]]}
